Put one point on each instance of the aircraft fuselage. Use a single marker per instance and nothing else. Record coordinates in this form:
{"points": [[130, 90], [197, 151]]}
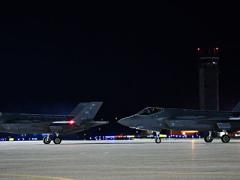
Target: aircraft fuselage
{"points": [[184, 119]]}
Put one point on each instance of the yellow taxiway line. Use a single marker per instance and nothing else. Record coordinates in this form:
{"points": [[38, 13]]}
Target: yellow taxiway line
{"points": [[35, 176]]}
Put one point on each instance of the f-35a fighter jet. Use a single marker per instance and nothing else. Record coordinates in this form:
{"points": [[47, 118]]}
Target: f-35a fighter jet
{"points": [[157, 119], [56, 126]]}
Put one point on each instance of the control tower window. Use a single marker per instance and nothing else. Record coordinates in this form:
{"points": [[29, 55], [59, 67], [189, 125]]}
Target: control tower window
{"points": [[149, 110]]}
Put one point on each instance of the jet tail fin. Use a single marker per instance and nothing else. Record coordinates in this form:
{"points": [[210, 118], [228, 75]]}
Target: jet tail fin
{"points": [[86, 111], [236, 108]]}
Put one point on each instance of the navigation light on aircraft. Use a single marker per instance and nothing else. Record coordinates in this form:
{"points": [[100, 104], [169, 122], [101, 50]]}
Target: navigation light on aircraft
{"points": [[71, 122]]}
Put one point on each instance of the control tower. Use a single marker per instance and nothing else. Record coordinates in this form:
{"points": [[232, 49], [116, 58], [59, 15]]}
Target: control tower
{"points": [[208, 78]]}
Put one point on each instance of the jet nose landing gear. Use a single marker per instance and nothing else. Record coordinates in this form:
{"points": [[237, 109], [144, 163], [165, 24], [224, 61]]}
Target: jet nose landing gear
{"points": [[157, 138]]}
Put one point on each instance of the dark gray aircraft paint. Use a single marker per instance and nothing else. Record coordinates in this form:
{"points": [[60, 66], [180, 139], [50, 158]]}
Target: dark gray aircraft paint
{"points": [[157, 119], [56, 126]]}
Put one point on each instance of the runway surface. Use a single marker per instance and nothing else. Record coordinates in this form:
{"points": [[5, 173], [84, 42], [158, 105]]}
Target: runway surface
{"points": [[104, 160]]}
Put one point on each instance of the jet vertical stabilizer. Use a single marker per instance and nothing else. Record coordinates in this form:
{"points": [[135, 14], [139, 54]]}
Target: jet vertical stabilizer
{"points": [[86, 111]]}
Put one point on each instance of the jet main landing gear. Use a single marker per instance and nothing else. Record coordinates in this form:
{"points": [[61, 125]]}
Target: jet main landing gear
{"points": [[47, 140], [225, 138], [56, 139], [209, 138]]}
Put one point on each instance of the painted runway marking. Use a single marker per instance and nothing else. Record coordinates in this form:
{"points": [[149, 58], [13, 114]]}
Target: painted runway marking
{"points": [[210, 173], [35, 176]]}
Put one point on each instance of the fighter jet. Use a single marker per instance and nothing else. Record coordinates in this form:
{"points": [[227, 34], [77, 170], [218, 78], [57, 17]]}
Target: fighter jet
{"points": [[54, 126], [156, 119]]}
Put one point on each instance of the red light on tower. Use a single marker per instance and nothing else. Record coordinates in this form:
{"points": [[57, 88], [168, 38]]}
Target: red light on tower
{"points": [[216, 51], [198, 51]]}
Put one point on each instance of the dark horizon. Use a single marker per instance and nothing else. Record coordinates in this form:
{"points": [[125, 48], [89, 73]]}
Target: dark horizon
{"points": [[129, 58]]}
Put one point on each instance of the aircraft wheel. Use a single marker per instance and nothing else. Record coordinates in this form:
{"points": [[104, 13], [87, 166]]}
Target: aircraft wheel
{"points": [[57, 140], [225, 138], [46, 140], [158, 140], [208, 139]]}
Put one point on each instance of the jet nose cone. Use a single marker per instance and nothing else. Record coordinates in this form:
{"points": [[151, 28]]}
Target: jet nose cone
{"points": [[124, 121]]}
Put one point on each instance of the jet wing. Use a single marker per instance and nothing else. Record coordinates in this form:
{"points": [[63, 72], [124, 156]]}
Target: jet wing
{"points": [[98, 123], [90, 124], [227, 123], [222, 119], [34, 118]]}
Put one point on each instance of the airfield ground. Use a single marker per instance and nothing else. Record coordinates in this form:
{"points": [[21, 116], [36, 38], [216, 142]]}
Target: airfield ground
{"points": [[129, 159]]}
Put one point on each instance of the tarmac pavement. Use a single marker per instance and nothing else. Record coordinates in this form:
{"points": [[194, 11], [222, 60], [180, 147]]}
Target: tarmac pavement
{"points": [[118, 160]]}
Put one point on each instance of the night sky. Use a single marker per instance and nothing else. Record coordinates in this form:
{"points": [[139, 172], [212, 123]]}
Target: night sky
{"points": [[128, 55]]}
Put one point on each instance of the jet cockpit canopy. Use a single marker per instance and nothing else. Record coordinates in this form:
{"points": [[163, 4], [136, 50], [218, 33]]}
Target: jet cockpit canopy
{"points": [[149, 110]]}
